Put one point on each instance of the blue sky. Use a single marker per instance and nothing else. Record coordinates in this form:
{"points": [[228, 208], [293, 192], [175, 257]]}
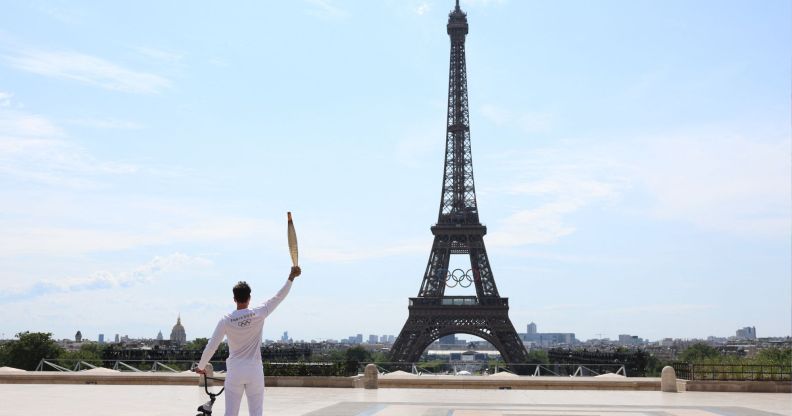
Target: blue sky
{"points": [[632, 162]]}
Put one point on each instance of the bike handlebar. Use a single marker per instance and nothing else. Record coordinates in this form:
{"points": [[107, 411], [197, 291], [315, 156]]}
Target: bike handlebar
{"points": [[206, 385]]}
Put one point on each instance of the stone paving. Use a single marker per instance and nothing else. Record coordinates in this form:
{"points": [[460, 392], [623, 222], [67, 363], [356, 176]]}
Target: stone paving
{"points": [[86, 400]]}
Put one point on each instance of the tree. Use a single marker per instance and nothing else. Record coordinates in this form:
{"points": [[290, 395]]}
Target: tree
{"points": [[774, 356], [197, 344], [3, 355], [654, 366], [699, 352], [538, 357], [29, 348], [358, 354], [379, 357], [89, 352], [334, 355]]}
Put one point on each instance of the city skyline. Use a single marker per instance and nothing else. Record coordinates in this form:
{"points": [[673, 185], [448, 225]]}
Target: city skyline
{"points": [[365, 337], [632, 163]]}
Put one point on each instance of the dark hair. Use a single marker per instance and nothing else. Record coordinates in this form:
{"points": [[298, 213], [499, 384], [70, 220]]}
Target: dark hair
{"points": [[242, 292]]}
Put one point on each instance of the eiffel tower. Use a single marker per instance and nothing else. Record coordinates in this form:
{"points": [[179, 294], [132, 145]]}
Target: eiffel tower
{"points": [[458, 231]]}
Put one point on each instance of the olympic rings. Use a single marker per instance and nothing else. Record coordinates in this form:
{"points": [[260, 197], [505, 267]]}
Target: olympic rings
{"points": [[459, 277]]}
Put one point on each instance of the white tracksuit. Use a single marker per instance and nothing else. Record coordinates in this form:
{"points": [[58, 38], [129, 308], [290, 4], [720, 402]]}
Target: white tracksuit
{"points": [[244, 370]]}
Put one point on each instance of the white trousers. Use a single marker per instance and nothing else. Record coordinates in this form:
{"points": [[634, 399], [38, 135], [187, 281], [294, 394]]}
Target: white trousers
{"points": [[248, 378]]}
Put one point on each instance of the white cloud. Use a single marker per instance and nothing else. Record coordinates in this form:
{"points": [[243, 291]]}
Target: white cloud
{"points": [[144, 273], [87, 69], [35, 149], [32, 148], [422, 9], [554, 183], [541, 225], [718, 181], [20, 124], [349, 255], [708, 177], [25, 239], [325, 9], [5, 99], [159, 54]]}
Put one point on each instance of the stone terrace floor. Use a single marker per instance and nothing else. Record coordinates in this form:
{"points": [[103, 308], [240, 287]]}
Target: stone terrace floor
{"points": [[85, 400]]}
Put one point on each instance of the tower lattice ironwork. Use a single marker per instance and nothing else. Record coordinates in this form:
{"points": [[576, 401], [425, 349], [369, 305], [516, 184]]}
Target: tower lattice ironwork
{"points": [[458, 232]]}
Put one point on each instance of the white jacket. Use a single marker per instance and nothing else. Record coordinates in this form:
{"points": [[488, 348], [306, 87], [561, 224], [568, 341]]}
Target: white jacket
{"points": [[243, 329]]}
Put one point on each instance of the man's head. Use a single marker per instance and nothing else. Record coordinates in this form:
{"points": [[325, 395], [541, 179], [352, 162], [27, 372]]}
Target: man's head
{"points": [[241, 292]]}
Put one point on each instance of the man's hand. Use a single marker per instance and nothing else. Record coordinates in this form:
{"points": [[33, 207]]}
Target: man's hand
{"points": [[199, 371], [295, 271]]}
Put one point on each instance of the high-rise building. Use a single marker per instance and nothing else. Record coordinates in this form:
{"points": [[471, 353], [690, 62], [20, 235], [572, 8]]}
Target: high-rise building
{"points": [[372, 339], [117, 339], [626, 339], [749, 332], [101, 338], [548, 339], [178, 335], [285, 336], [359, 339], [448, 339], [531, 328], [78, 337]]}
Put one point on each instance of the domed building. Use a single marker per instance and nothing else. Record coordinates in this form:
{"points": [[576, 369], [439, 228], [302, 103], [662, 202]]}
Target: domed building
{"points": [[178, 336]]}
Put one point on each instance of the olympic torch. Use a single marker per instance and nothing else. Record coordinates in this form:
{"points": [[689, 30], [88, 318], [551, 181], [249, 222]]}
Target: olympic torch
{"points": [[292, 236]]}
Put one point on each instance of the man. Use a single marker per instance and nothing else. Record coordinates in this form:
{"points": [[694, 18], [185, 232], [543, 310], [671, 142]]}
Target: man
{"points": [[244, 372]]}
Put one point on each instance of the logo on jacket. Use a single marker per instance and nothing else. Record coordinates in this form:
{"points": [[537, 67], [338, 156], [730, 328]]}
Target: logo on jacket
{"points": [[244, 323]]}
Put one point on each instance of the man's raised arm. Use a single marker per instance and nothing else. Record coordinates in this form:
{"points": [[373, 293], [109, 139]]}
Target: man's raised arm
{"points": [[273, 303]]}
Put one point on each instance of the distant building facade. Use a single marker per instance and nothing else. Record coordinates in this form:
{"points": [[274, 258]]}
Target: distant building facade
{"points": [[547, 339], [78, 337], [531, 328], [448, 339], [625, 339], [749, 332]]}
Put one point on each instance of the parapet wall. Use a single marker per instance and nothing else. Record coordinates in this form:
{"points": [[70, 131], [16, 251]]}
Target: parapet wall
{"points": [[519, 383], [739, 386]]}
